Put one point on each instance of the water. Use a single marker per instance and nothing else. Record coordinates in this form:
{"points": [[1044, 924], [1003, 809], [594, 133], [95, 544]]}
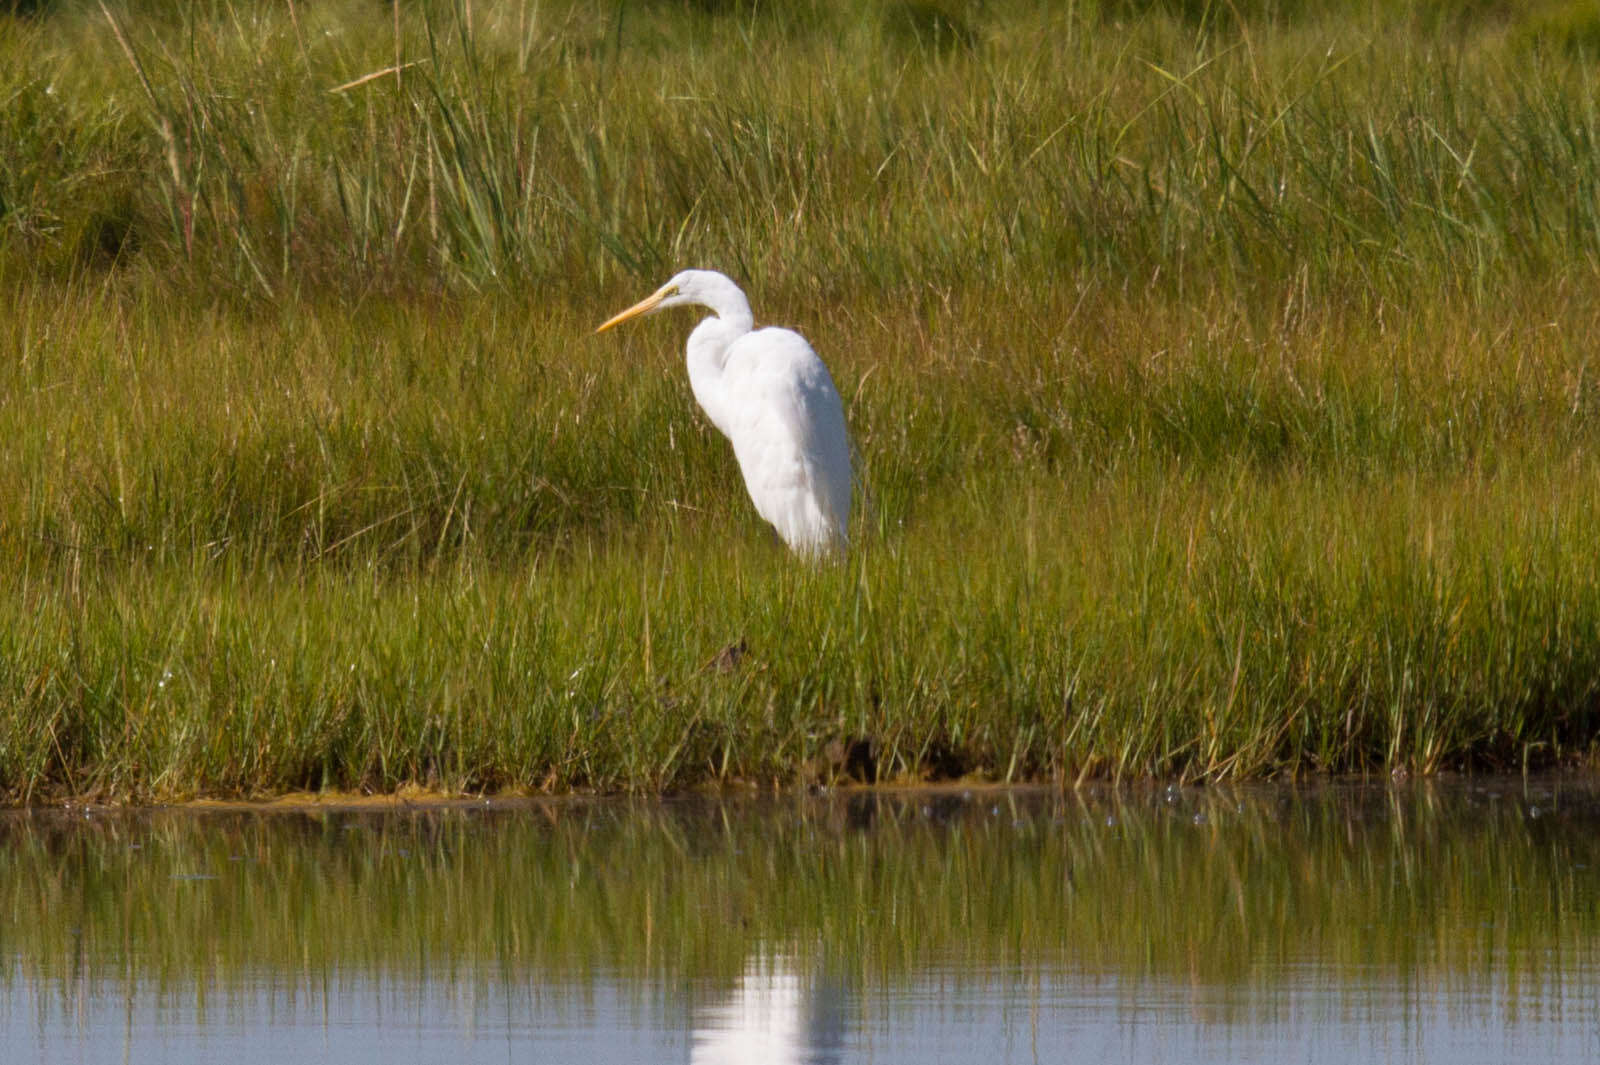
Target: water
{"points": [[1433, 921]]}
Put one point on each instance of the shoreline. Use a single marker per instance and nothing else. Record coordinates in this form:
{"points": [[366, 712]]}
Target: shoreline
{"points": [[421, 799]]}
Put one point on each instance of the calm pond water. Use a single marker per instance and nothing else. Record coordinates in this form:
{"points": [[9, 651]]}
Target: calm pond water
{"points": [[1429, 921]]}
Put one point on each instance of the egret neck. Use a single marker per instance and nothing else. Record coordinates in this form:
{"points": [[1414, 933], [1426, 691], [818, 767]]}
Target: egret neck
{"points": [[708, 350]]}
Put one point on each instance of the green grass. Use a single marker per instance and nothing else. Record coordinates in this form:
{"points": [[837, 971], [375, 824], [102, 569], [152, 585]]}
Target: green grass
{"points": [[1223, 390]]}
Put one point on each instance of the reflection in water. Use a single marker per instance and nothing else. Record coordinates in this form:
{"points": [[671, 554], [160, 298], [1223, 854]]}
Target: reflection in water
{"points": [[1419, 922], [778, 1014]]}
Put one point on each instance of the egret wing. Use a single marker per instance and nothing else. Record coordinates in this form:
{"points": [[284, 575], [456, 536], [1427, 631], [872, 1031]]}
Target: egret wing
{"points": [[789, 435]]}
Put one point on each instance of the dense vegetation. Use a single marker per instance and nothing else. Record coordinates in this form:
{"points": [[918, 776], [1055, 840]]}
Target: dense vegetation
{"points": [[1221, 377]]}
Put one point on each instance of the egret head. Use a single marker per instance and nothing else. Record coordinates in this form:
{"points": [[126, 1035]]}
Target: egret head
{"points": [[705, 288]]}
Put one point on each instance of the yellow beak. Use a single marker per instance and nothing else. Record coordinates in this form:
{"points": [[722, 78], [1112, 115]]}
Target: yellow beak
{"points": [[644, 306]]}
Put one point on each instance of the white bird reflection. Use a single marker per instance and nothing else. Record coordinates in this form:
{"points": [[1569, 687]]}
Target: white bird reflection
{"points": [[780, 1013]]}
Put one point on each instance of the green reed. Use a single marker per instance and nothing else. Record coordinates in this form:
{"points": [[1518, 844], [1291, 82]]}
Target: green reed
{"points": [[266, 150], [1221, 385]]}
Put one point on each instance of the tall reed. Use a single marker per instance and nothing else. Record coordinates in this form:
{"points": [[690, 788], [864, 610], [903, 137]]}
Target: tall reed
{"points": [[1222, 390]]}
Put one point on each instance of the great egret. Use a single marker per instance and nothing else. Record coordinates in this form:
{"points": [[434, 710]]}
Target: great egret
{"points": [[774, 400]]}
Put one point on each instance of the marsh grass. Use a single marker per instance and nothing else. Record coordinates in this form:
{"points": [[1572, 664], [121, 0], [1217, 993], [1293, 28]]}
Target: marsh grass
{"points": [[1222, 392]]}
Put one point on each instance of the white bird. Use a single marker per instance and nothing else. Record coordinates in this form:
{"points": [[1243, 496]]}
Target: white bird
{"points": [[772, 397]]}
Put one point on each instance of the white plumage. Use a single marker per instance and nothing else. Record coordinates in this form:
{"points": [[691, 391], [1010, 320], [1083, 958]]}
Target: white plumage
{"points": [[773, 398]]}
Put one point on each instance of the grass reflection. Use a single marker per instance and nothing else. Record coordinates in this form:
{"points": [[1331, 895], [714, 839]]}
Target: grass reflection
{"points": [[1448, 883]]}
